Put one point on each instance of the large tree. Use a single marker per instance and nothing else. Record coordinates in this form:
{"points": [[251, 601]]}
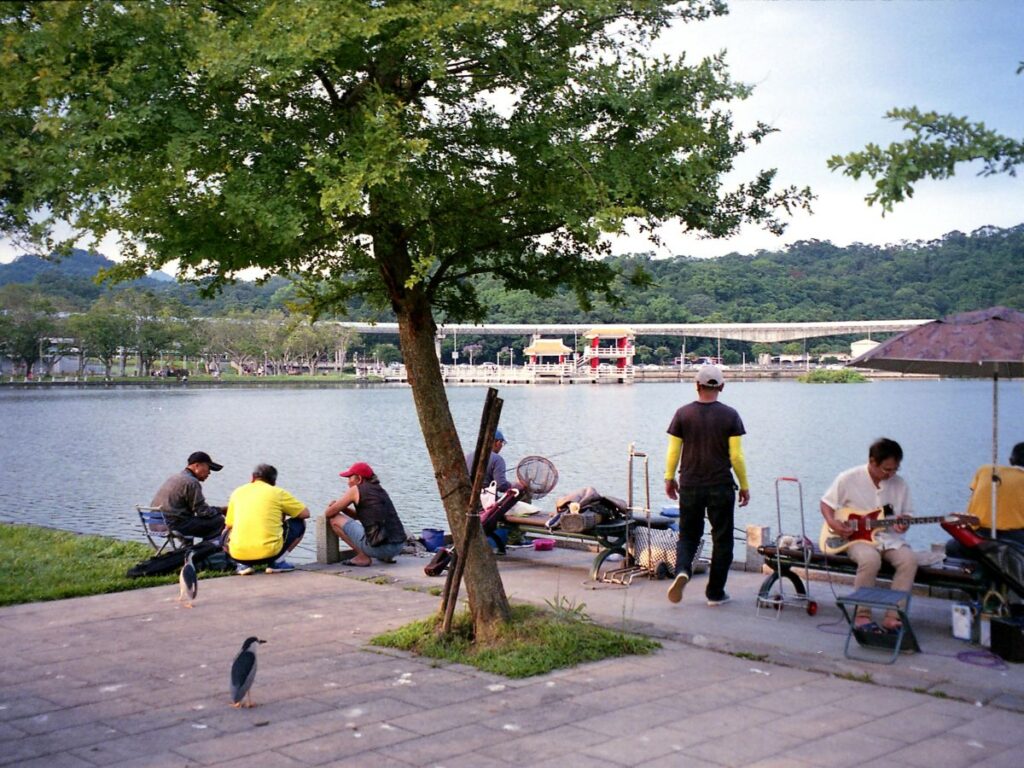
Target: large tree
{"points": [[390, 149]]}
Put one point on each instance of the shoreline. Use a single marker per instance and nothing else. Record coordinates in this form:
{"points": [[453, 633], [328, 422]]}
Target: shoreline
{"points": [[328, 382]]}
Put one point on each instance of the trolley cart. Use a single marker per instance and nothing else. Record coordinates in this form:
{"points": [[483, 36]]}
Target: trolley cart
{"points": [[636, 564], [773, 594]]}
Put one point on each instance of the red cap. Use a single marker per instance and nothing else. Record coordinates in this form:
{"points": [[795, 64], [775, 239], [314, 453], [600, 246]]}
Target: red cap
{"points": [[360, 468]]}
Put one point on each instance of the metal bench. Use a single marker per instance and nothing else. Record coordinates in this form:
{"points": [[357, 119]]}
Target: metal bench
{"points": [[966, 576], [611, 538]]}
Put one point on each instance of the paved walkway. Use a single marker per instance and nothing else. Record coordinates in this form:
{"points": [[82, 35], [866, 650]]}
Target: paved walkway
{"points": [[132, 679]]}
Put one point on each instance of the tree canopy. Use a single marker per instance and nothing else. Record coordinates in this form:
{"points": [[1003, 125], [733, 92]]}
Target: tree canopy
{"points": [[390, 150]]}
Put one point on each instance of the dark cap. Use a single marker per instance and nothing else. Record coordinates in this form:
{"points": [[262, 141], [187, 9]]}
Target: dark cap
{"points": [[202, 457]]}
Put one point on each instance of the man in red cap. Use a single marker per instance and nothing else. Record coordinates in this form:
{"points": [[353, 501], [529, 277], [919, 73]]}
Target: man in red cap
{"points": [[181, 499], [365, 518]]}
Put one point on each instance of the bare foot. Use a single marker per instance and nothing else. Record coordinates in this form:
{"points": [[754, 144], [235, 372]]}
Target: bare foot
{"points": [[360, 562]]}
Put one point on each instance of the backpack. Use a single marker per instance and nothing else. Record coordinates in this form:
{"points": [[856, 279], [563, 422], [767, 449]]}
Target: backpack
{"points": [[442, 559], [169, 562]]}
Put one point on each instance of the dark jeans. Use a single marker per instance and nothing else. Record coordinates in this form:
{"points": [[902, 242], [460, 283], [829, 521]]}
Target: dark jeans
{"points": [[294, 529], [717, 502], [202, 527]]}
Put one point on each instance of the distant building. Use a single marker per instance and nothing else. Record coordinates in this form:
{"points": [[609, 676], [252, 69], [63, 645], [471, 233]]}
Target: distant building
{"points": [[608, 355], [861, 346], [546, 352]]}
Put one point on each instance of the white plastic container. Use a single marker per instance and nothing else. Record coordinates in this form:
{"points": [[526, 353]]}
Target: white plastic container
{"points": [[963, 618]]}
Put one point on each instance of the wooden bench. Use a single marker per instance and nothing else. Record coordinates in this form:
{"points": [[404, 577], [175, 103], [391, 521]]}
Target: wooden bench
{"points": [[610, 538], [965, 576]]}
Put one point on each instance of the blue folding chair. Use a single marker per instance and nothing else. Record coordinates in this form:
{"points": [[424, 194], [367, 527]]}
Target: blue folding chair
{"points": [[157, 530]]}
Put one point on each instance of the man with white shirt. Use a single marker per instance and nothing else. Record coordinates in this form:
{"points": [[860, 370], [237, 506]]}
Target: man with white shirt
{"points": [[863, 489]]}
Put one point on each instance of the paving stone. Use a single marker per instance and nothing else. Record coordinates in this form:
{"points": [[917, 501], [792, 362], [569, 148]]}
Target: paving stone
{"points": [[751, 745], [847, 747], [945, 752], [345, 742], [438, 750]]}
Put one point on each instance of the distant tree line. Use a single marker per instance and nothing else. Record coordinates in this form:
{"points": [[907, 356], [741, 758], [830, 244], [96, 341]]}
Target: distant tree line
{"points": [[255, 324]]}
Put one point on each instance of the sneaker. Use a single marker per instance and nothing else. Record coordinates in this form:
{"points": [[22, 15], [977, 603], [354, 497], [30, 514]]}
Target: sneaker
{"points": [[675, 592], [244, 570], [281, 566], [553, 521], [719, 600]]}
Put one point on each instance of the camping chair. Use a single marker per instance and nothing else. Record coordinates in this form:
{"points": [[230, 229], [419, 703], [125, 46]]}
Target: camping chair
{"points": [[157, 530]]}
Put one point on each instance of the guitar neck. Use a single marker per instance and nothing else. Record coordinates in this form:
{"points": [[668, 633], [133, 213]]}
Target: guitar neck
{"points": [[891, 521]]}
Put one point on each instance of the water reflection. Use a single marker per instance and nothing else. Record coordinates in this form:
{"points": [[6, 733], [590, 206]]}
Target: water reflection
{"points": [[80, 459]]}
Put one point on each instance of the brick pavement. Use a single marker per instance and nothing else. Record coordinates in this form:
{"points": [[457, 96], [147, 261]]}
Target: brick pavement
{"points": [[135, 681]]}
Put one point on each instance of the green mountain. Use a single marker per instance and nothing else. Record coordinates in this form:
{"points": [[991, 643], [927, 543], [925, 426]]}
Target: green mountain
{"points": [[806, 281]]}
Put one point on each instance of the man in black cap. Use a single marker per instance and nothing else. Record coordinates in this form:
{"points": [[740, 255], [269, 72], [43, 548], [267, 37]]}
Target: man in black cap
{"points": [[181, 499]]}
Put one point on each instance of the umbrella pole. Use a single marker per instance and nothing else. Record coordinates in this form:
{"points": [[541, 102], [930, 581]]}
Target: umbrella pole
{"points": [[995, 449]]}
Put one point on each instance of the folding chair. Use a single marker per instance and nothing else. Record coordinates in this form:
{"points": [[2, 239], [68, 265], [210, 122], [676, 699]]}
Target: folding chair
{"points": [[157, 530]]}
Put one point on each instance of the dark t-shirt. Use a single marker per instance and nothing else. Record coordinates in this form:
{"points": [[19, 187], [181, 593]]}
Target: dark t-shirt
{"points": [[705, 429], [375, 508]]}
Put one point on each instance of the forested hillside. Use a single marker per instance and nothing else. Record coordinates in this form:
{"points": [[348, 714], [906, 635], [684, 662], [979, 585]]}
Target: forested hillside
{"points": [[807, 281]]}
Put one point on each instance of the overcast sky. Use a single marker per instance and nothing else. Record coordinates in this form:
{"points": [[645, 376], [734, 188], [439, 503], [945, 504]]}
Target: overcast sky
{"points": [[825, 72]]}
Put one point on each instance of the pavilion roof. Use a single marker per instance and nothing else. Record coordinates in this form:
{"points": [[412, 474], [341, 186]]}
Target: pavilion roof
{"points": [[547, 347]]}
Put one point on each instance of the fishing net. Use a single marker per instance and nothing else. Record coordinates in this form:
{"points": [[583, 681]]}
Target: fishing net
{"points": [[537, 476]]}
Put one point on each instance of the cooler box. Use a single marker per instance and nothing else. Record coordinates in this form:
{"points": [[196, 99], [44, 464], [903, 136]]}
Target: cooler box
{"points": [[1007, 635]]}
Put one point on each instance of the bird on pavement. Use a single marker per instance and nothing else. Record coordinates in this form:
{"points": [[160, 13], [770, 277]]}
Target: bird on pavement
{"points": [[188, 581], [243, 672]]}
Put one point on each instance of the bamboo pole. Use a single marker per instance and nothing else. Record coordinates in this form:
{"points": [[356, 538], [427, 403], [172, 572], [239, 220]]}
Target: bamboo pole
{"points": [[485, 438]]}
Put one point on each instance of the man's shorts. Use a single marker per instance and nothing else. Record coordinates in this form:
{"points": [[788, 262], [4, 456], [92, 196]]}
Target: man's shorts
{"points": [[355, 531]]}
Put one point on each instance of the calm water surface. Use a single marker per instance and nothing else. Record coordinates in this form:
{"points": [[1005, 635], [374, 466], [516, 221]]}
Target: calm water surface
{"points": [[80, 459]]}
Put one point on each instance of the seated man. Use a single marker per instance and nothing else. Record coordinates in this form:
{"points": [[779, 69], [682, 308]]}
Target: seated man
{"points": [[495, 472], [865, 488], [1009, 502], [264, 523], [365, 518], [181, 499]]}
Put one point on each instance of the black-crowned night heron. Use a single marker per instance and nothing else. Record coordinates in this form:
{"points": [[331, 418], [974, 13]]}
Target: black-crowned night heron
{"points": [[243, 672], [188, 581]]}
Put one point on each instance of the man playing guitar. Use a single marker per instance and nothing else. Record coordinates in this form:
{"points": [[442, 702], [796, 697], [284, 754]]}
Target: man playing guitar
{"points": [[868, 487]]}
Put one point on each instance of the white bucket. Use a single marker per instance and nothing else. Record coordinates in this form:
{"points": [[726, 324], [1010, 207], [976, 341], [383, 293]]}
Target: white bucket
{"points": [[963, 618]]}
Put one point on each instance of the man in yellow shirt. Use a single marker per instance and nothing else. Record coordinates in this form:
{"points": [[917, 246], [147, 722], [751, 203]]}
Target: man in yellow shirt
{"points": [[264, 523], [1009, 501]]}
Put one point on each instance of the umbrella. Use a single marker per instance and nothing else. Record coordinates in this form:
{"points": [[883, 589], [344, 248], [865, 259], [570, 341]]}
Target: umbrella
{"points": [[987, 343]]}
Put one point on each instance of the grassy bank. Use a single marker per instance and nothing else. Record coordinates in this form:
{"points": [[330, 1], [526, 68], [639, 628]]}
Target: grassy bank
{"points": [[45, 564]]}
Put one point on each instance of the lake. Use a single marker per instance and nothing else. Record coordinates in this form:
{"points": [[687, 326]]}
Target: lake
{"points": [[80, 459]]}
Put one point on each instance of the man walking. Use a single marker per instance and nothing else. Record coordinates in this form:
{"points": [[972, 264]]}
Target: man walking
{"points": [[704, 442], [181, 499]]}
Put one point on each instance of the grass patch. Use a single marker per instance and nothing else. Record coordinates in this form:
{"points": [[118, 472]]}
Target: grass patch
{"points": [[863, 677], [825, 376], [45, 564], [535, 642], [751, 656]]}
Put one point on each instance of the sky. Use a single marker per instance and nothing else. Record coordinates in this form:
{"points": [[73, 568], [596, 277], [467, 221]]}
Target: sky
{"points": [[824, 73]]}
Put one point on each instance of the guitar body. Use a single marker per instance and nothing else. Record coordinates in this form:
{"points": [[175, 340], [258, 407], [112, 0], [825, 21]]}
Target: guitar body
{"points": [[832, 543]]}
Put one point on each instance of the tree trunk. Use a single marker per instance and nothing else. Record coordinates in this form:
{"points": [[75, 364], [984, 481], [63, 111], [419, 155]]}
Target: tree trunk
{"points": [[487, 601]]}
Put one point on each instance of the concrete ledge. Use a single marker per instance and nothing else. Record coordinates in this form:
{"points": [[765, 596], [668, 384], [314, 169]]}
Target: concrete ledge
{"points": [[327, 547]]}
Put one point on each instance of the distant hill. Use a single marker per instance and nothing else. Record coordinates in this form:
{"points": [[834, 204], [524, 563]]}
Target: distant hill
{"points": [[804, 281], [27, 268]]}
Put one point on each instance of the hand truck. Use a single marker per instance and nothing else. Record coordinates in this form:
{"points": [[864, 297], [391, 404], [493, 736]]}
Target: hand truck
{"points": [[773, 592]]}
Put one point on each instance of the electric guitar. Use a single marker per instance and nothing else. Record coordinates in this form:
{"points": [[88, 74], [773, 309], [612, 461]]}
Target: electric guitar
{"points": [[866, 526]]}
